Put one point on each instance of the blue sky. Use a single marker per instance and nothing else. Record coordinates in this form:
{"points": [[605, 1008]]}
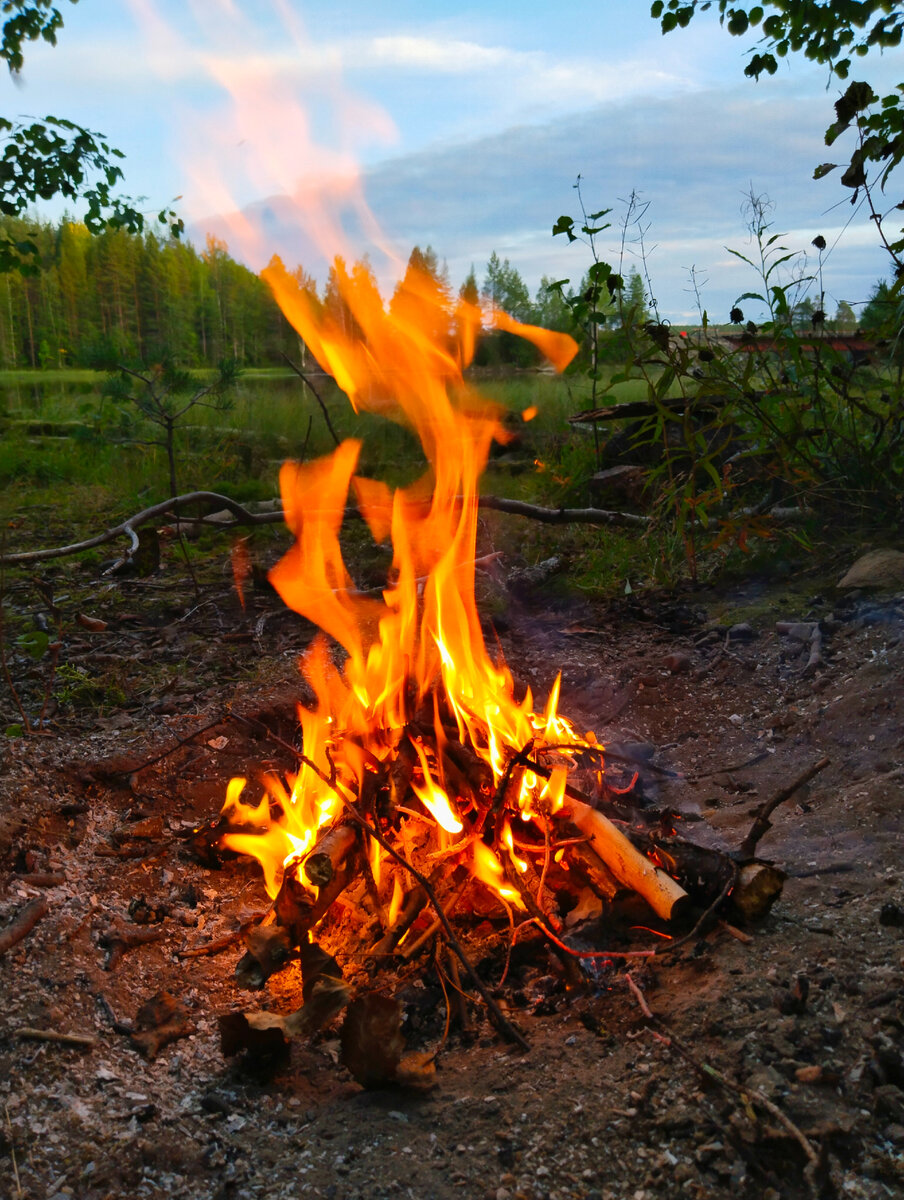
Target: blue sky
{"points": [[469, 128]]}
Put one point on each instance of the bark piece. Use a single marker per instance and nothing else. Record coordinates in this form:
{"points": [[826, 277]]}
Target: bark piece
{"points": [[23, 923], [371, 1039], [160, 1020]]}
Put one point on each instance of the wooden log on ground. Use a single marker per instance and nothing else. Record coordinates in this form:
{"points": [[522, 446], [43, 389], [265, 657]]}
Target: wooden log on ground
{"points": [[23, 923]]}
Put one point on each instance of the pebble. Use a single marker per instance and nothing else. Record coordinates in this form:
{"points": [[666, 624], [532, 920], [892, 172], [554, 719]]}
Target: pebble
{"points": [[678, 662], [742, 632]]}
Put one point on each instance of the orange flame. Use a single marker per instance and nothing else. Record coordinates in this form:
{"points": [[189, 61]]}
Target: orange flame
{"points": [[404, 361]]}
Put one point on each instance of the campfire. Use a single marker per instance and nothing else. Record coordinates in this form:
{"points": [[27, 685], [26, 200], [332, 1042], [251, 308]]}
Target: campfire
{"points": [[426, 788]]}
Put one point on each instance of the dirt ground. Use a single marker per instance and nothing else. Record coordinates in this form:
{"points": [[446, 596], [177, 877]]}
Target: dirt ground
{"points": [[772, 1067]]}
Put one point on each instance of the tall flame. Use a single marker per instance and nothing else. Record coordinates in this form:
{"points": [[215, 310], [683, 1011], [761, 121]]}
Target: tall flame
{"points": [[405, 361]]}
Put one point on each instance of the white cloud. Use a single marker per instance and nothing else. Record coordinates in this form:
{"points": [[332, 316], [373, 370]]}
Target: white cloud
{"points": [[693, 157]]}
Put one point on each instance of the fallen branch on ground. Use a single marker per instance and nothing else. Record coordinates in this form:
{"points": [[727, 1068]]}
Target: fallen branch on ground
{"points": [[549, 516], [762, 824]]}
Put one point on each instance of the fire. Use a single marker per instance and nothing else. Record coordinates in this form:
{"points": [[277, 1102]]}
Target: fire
{"points": [[415, 659]]}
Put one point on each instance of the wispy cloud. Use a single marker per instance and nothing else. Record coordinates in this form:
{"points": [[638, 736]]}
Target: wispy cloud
{"points": [[693, 158]]}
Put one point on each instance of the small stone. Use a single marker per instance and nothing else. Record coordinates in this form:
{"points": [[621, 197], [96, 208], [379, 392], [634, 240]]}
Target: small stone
{"points": [[742, 632], [810, 1074], [678, 662], [891, 914]]}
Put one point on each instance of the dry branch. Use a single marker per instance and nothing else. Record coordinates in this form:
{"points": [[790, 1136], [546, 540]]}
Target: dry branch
{"points": [[554, 516], [762, 824], [564, 516]]}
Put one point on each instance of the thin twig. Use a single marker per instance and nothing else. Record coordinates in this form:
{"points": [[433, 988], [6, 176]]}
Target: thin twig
{"points": [[743, 1093], [12, 1154], [762, 824], [172, 750], [84, 1041], [748, 762], [306, 381], [502, 1023], [564, 516], [704, 917]]}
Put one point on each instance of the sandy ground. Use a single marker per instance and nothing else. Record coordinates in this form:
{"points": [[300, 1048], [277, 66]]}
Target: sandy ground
{"points": [[770, 1068]]}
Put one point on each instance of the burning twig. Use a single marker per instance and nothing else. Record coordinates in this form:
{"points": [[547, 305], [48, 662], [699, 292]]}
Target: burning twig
{"points": [[23, 923], [502, 1023], [762, 824], [415, 903]]}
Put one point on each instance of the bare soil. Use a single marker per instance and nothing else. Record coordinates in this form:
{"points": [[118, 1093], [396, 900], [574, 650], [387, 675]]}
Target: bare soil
{"points": [[798, 1031]]}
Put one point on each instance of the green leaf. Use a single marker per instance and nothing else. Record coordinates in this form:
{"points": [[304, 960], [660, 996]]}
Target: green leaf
{"points": [[563, 225], [598, 272], [738, 22], [34, 643], [823, 169], [14, 731]]}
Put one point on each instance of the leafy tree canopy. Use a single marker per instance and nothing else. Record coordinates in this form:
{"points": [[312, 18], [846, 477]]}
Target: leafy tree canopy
{"points": [[54, 157], [833, 33]]}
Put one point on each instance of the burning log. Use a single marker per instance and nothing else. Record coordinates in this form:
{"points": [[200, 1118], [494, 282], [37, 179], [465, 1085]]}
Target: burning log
{"points": [[328, 855], [633, 869]]}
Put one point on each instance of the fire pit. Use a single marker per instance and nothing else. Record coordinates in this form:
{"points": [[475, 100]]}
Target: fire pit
{"points": [[427, 787]]}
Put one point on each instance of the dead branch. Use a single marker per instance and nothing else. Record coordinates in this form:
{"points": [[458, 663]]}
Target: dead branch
{"points": [[305, 379], [127, 528], [23, 923], [554, 516], [762, 824], [564, 516], [742, 1093]]}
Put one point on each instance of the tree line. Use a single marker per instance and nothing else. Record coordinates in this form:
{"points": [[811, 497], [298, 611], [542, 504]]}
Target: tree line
{"points": [[115, 296], [100, 299]]}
